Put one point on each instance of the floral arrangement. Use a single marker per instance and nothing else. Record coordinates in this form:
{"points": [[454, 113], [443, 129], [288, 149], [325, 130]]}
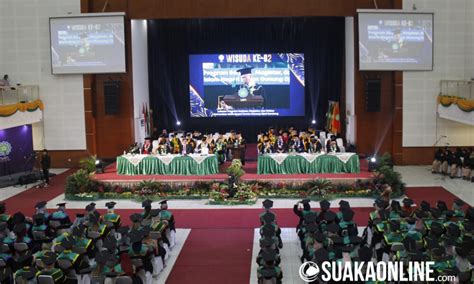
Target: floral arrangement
{"points": [[80, 186]]}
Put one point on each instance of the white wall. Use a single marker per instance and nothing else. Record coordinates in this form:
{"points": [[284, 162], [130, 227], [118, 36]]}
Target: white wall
{"points": [[25, 56], [453, 59], [140, 74], [350, 81]]}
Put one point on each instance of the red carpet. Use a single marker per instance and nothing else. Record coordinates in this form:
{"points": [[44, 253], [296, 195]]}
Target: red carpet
{"points": [[214, 256]]}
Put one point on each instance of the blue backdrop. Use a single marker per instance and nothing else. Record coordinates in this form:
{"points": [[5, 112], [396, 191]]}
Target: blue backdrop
{"points": [[16, 145]]}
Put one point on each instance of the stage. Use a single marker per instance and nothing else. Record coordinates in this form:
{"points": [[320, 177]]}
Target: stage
{"points": [[110, 176]]}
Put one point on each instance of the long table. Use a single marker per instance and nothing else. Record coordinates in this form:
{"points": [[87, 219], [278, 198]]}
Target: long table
{"points": [[167, 165], [304, 163]]}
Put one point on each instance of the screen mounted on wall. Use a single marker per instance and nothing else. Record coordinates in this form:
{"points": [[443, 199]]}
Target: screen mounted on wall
{"points": [[395, 41], [247, 85], [88, 44]]}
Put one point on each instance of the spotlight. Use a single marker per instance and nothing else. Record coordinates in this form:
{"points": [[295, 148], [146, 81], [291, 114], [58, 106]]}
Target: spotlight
{"points": [[178, 123], [99, 166], [372, 164], [313, 121]]}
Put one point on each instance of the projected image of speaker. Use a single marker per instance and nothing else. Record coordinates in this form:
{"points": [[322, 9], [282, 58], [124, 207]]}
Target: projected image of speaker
{"points": [[372, 95], [112, 97]]}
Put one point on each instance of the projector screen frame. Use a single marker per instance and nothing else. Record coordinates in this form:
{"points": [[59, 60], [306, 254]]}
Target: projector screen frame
{"points": [[85, 15], [389, 11]]}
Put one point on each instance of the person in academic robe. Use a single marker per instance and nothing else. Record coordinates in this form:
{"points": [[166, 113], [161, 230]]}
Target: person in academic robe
{"points": [[315, 145], [45, 166], [242, 144], [438, 160], [295, 145], [249, 88], [164, 145], [189, 144], [175, 145], [219, 149], [147, 146], [280, 146], [266, 147], [332, 146], [203, 147]]}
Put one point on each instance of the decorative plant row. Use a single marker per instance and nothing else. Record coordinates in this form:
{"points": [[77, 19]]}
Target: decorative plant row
{"points": [[80, 186], [466, 105]]}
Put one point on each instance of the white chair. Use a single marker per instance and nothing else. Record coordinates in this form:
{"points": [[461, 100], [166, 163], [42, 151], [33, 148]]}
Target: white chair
{"points": [[340, 144], [154, 144]]}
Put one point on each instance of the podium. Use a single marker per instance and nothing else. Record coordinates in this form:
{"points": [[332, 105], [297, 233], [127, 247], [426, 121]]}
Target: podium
{"points": [[237, 152], [249, 102]]}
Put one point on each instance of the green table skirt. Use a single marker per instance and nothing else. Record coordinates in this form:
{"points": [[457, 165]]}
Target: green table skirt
{"points": [[294, 164], [179, 166]]}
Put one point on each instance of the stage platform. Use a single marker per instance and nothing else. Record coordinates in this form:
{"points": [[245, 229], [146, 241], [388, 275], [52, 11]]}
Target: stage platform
{"points": [[110, 176]]}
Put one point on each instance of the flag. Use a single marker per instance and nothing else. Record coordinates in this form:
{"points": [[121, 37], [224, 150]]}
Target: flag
{"points": [[336, 122]]}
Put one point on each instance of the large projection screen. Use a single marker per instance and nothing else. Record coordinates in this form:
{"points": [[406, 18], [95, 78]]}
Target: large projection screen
{"points": [[395, 41], [88, 44]]}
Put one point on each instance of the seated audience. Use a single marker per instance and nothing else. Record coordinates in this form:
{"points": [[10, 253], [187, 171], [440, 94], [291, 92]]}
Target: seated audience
{"points": [[88, 249]]}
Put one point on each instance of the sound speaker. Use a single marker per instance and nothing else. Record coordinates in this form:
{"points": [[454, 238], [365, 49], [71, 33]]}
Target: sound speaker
{"points": [[372, 95], [112, 97]]}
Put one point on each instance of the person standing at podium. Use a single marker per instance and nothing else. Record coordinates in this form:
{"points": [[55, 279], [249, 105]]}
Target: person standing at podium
{"points": [[249, 86]]}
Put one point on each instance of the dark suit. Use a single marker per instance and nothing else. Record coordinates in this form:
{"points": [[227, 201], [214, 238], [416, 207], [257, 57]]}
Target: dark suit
{"points": [[45, 166]]}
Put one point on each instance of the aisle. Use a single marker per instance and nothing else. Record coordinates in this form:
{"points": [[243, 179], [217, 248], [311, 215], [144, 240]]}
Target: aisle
{"points": [[211, 255]]}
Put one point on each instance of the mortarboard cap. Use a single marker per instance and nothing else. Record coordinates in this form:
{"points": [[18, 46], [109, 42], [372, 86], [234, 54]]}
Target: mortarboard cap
{"points": [[136, 218], [395, 205], [453, 230], [470, 213], [267, 204], [40, 204], [425, 206], [63, 204], [18, 218], [441, 205], [324, 204], [343, 204], [459, 202], [165, 201], [146, 203], [245, 70], [90, 207], [306, 201], [49, 258], [436, 229], [407, 202], [110, 204]]}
